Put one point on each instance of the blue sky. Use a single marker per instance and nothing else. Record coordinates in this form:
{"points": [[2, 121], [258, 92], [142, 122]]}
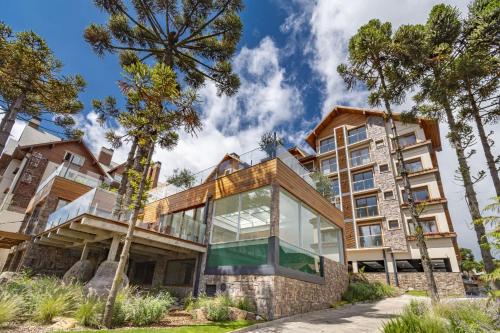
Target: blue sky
{"points": [[287, 62]]}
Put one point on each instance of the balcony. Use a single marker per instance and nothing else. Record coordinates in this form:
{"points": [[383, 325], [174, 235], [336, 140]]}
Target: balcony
{"points": [[370, 241], [64, 171], [363, 185], [366, 211], [360, 160]]}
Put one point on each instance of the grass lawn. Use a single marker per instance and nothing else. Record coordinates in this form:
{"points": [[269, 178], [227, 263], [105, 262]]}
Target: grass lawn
{"points": [[416, 293], [205, 328]]}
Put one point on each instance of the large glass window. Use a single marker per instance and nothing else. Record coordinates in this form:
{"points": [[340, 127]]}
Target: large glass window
{"points": [[429, 225], [407, 140], [327, 145], [242, 216], [335, 187], [309, 229], [419, 194], [329, 165], [366, 207], [176, 224], [331, 241], [357, 134], [363, 181], [187, 231], [225, 221], [289, 219], [360, 157], [370, 235]]}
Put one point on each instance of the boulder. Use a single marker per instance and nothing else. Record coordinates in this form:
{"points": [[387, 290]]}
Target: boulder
{"points": [[238, 314], [6, 277], [81, 271], [101, 283]]}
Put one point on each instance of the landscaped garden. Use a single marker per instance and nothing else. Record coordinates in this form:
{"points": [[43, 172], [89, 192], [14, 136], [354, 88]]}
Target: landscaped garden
{"points": [[42, 304]]}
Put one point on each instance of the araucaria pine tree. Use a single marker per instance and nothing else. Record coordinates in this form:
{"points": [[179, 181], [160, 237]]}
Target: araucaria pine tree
{"points": [[373, 61], [31, 83]]}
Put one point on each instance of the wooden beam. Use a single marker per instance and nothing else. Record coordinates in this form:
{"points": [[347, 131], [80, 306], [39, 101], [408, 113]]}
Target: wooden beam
{"points": [[53, 235], [75, 234], [162, 246], [14, 235], [85, 228]]}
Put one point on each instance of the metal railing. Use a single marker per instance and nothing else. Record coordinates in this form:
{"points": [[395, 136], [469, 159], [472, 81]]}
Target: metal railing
{"points": [[359, 136], [370, 241], [366, 211], [360, 160], [364, 184]]}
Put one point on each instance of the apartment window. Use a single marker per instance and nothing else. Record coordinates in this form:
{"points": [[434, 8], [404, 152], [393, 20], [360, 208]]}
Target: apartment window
{"points": [[383, 167], [309, 166], [356, 134], [360, 157], [429, 225], [379, 143], [388, 195], [326, 145], [74, 158], [366, 207], [419, 194], [370, 235], [393, 224], [414, 165], [363, 181], [407, 140], [329, 165], [335, 187], [180, 272]]}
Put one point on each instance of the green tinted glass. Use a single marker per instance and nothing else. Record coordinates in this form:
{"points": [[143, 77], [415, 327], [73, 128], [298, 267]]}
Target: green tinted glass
{"points": [[298, 259], [243, 253]]}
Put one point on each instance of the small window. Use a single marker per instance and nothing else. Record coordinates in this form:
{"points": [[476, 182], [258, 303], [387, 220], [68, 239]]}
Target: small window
{"points": [[384, 168], [379, 143], [388, 195], [393, 224], [407, 140], [329, 165], [309, 166]]}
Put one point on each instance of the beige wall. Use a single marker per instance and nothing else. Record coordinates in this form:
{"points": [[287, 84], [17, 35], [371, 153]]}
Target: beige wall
{"points": [[8, 177]]}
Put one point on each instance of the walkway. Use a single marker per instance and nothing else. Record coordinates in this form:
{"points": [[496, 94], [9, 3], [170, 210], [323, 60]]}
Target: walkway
{"points": [[358, 318]]}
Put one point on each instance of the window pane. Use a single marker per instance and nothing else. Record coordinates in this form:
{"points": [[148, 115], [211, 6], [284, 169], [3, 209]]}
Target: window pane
{"points": [[188, 225], [331, 240], [309, 229], [176, 224], [329, 165], [298, 259], [255, 215], [289, 219], [335, 187], [225, 225], [326, 145], [407, 140], [243, 253], [357, 134]]}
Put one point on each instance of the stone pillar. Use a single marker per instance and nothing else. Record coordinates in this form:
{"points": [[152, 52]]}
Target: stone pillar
{"points": [[159, 272], [113, 249], [355, 267]]}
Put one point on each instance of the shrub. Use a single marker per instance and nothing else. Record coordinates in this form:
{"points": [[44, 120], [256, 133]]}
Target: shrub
{"points": [[218, 308], [467, 317], [245, 304], [362, 291], [89, 313], [409, 322], [145, 310], [10, 307]]}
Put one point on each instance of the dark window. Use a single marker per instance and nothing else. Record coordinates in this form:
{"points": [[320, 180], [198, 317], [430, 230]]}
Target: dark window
{"points": [[210, 290], [180, 272], [393, 224], [379, 143], [407, 140], [143, 273], [384, 167], [388, 195], [419, 194], [335, 187], [415, 265], [327, 145], [371, 266]]}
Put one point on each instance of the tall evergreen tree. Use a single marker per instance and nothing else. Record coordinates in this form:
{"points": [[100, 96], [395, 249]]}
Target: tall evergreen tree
{"points": [[31, 83], [372, 61], [196, 38]]}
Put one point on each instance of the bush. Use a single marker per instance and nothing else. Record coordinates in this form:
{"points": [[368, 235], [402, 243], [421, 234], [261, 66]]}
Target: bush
{"points": [[218, 308], [363, 291], [468, 317], [145, 310], [10, 307], [245, 304], [409, 322], [90, 312]]}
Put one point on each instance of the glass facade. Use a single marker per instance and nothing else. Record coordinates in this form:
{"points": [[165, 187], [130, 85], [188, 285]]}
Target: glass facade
{"points": [[363, 181], [243, 253], [188, 224]]}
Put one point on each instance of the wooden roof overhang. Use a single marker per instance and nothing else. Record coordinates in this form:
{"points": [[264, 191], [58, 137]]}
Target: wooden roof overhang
{"points": [[244, 180], [97, 231], [430, 126], [9, 239]]}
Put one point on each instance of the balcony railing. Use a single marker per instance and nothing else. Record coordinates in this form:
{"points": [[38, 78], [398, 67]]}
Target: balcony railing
{"points": [[366, 211], [364, 184], [360, 160], [370, 241], [244, 161], [356, 137], [64, 171]]}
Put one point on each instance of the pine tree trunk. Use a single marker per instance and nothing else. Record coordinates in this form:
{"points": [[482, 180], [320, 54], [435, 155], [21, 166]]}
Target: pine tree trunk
{"points": [[117, 209], [419, 231], [138, 167], [470, 192], [9, 119], [490, 160], [110, 302]]}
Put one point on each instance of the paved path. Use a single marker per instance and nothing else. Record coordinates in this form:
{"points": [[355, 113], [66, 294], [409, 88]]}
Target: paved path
{"points": [[358, 318]]}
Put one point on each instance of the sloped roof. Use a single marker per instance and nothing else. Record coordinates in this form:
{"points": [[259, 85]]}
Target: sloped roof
{"points": [[430, 126]]}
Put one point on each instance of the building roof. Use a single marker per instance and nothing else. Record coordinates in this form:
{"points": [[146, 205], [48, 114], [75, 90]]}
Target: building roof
{"points": [[430, 126]]}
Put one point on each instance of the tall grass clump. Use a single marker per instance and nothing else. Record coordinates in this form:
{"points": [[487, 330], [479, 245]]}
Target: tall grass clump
{"points": [[89, 313], [416, 318], [10, 307], [245, 304], [469, 317], [365, 291], [142, 310], [216, 308]]}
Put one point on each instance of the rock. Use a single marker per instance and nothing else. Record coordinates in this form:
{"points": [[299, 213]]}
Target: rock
{"points": [[259, 318], [63, 323], [81, 271], [101, 283], [238, 314], [8, 276]]}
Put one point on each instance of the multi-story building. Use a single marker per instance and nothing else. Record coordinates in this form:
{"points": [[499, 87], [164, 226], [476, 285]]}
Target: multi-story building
{"points": [[353, 147]]}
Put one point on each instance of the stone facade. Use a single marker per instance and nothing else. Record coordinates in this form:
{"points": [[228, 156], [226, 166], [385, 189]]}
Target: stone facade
{"points": [[279, 296], [448, 283]]}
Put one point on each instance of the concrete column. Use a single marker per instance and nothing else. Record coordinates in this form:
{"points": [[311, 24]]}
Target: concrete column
{"points": [[85, 251], [355, 267], [159, 272], [113, 249]]}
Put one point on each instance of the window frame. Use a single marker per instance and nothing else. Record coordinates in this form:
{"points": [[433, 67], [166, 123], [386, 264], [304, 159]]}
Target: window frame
{"points": [[356, 129], [385, 171], [406, 135], [366, 197], [424, 220], [367, 148], [415, 190], [363, 180], [331, 137], [328, 159], [389, 224]]}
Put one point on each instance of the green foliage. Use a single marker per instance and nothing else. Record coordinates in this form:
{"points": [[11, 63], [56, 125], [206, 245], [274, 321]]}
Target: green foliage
{"points": [[468, 263], [245, 304], [323, 184], [363, 291], [182, 178], [467, 317], [217, 308], [269, 142], [142, 310], [89, 313], [420, 293], [50, 300], [411, 323], [10, 307]]}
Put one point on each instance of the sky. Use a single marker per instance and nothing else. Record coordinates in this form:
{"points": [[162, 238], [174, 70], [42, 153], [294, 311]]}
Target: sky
{"points": [[286, 60]]}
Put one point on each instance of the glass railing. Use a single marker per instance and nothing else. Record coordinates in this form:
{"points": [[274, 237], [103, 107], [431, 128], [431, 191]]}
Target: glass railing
{"points": [[360, 160], [187, 229], [364, 184], [64, 171], [241, 253], [298, 259], [326, 148], [366, 211], [370, 241], [356, 137]]}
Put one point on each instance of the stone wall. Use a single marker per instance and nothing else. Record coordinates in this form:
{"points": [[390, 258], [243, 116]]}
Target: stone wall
{"points": [[448, 283], [48, 260], [278, 296]]}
